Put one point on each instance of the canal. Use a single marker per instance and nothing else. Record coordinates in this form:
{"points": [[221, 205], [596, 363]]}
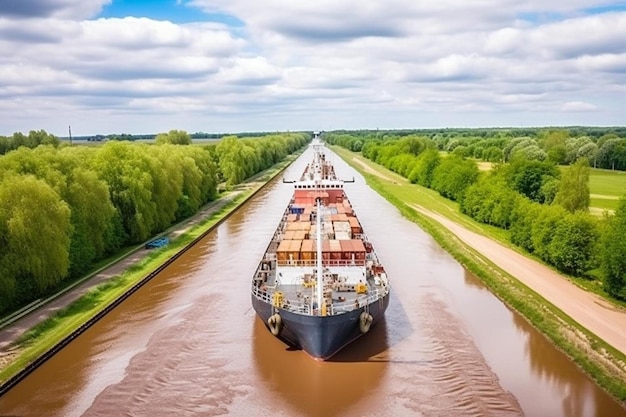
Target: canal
{"points": [[188, 342]]}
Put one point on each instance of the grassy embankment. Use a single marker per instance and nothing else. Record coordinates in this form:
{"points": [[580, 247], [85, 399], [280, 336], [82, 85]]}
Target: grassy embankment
{"points": [[34, 343], [603, 363]]}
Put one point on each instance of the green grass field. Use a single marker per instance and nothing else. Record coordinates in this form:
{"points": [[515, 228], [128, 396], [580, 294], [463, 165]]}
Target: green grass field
{"points": [[606, 188]]}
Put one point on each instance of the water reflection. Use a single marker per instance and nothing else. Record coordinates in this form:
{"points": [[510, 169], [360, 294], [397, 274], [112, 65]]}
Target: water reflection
{"points": [[542, 373], [316, 388]]}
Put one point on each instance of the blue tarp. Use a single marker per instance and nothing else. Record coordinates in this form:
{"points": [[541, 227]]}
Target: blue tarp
{"points": [[157, 243]]}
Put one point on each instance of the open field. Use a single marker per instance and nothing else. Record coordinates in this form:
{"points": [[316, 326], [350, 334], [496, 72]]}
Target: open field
{"points": [[606, 188]]}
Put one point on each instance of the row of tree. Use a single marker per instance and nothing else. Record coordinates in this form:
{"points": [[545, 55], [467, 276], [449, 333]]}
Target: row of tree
{"points": [[558, 146], [32, 140], [64, 208], [544, 209]]}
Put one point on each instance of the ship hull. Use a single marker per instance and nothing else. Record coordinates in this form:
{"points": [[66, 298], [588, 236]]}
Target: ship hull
{"points": [[320, 337]]}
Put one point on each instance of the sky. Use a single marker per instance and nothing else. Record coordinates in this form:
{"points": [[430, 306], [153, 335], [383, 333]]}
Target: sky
{"points": [[140, 66]]}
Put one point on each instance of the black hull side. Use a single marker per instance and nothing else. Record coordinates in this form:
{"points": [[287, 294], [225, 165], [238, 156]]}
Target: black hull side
{"points": [[320, 337]]}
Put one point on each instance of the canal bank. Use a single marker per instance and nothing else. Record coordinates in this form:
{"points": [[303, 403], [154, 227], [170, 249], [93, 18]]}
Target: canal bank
{"points": [[42, 331], [550, 309]]}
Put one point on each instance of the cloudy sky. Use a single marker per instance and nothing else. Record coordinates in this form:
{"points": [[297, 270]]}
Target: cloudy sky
{"points": [[141, 66]]}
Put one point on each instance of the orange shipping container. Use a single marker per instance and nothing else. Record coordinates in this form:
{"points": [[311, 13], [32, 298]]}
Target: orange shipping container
{"points": [[339, 217], [288, 249], [335, 249], [308, 250], [358, 248], [355, 225], [326, 249], [299, 235]]}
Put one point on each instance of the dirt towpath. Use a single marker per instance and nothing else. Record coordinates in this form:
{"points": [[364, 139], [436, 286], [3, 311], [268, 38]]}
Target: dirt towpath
{"points": [[588, 309]]}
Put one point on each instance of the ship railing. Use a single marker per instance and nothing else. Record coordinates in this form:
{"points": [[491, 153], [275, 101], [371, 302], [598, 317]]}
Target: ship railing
{"points": [[291, 304], [297, 306], [372, 257], [325, 262], [269, 256], [360, 301], [304, 307], [261, 294]]}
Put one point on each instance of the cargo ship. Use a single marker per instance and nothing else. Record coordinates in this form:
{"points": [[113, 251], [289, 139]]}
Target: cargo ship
{"points": [[320, 285]]}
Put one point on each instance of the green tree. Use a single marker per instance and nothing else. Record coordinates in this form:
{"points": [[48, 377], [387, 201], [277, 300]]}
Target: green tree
{"points": [[453, 175], [553, 139], [493, 154], [573, 146], [122, 165], [41, 137], [573, 192], [209, 172], [528, 177], [613, 253], [402, 164], [92, 215], [548, 190], [490, 201], [424, 167], [544, 227], [164, 167], [68, 172], [590, 152], [174, 137], [34, 236], [523, 216], [557, 154], [606, 156], [573, 244], [232, 161], [516, 145]]}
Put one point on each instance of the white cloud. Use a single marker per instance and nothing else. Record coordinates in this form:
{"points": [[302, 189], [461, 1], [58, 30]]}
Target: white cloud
{"points": [[391, 64], [578, 106]]}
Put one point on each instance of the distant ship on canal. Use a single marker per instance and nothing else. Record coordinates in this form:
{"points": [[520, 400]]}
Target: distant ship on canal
{"points": [[320, 285]]}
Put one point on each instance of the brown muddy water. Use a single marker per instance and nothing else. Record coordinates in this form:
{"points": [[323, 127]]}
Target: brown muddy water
{"points": [[188, 343]]}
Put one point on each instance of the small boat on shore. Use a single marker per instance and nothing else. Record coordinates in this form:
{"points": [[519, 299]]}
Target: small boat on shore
{"points": [[320, 285]]}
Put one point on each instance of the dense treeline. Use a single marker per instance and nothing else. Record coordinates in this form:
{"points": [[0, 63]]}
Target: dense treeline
{"points": [[32, 140], [64, 208], [603, 147], [152, 136], [544, 210]]}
